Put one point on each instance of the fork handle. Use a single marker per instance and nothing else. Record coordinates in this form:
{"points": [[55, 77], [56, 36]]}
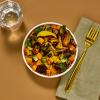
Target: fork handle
{"points": [[75, 71]]}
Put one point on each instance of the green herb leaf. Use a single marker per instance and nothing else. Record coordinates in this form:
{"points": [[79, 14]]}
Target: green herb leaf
{"points": [[37, 30], [63, 58], [27, 43], [34, 58], [67, 54], [44, 62], [47, 27], [62, 29], [61, 65]]}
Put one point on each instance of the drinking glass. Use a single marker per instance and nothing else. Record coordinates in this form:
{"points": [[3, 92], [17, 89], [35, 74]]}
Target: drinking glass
{"points": [[10, 15]]}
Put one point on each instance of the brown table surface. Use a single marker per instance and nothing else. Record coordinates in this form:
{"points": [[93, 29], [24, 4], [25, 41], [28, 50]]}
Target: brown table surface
{"points": [[16, 81]]}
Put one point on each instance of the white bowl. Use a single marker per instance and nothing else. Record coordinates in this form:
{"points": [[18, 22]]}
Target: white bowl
{"points": [[45, 76]]}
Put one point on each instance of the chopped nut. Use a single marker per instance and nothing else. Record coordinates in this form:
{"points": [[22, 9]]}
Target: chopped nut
{"points": [[71, 58], [51, 71], [39, 55], [28, 60], [34, 67], [40, 40], [38, 62]]}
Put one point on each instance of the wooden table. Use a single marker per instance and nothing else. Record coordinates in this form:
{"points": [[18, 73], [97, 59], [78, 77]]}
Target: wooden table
{"points": [[16, 81]]}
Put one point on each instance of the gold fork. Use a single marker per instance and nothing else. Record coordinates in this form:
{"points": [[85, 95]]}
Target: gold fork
{"points": [[89, 40]]}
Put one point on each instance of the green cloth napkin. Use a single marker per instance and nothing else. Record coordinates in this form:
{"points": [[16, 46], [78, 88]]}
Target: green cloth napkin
{"points": [[87, 84]]}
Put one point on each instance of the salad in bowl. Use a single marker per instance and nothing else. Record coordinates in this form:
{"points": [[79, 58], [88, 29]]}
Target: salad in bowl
{"points": [[50, 50]]}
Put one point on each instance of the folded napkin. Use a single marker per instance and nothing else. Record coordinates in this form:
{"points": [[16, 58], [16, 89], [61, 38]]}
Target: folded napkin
{"points": [[87, 83]]}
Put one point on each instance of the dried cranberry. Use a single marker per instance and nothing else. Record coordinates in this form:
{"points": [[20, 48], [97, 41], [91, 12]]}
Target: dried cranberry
{"points": [[55, 44], [41, 69]]}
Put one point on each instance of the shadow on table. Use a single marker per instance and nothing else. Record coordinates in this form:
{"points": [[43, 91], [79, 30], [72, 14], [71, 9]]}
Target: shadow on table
{"points": [[59, 98], [13, 40], [43, 82]]}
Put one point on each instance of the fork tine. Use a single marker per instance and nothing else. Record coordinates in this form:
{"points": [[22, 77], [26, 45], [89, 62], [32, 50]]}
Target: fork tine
{"points": [[97, 32], [94, 32], [89, 33]]}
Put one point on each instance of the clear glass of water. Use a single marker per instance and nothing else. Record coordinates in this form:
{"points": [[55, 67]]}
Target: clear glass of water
{"points": [[10, 15]]}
